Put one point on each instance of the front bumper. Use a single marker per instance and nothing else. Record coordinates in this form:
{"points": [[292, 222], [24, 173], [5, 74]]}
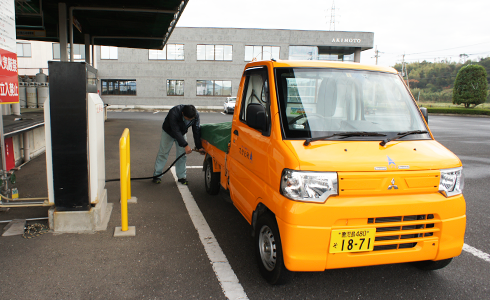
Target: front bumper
{"points": [[436, 233]]}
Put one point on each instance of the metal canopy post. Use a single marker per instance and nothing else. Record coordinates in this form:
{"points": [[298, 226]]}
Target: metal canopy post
{"points": [[71, 34], [62, 31], [87, 48]]}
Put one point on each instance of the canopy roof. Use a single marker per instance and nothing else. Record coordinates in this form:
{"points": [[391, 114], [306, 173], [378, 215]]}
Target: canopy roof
{"points": [[137, 24]]}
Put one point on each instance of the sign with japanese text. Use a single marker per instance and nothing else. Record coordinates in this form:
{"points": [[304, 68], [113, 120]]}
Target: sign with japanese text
{"points": [[9, 80]]}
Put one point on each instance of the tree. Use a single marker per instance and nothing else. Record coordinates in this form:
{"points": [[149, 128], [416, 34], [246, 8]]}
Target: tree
{"points": [[470, 86]]}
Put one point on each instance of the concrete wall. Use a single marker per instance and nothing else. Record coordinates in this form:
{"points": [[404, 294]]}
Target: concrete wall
{"points": [[37, 144], [151, 75]]}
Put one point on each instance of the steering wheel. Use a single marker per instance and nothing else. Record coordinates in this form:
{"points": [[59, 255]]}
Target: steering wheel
{"points": [[304, 116]]}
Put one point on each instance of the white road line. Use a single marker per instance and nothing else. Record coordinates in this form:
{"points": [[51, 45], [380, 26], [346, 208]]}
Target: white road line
{"points": [[476, 252], [226, 277], [194, 167]]}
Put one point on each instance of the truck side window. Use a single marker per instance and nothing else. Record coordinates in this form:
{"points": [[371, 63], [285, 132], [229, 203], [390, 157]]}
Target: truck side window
{"points": [[256, 91]]}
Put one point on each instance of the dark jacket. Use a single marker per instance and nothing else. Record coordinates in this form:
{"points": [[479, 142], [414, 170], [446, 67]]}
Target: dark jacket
{"points": [[175, 126]]}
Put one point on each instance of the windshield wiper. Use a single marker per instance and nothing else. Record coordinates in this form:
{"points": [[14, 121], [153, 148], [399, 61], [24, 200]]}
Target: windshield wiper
{"points": [[402, 134], [343, 134]]}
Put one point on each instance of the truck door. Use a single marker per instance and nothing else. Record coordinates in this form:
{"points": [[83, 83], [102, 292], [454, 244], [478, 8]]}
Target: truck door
{"points": [[249, 147]]}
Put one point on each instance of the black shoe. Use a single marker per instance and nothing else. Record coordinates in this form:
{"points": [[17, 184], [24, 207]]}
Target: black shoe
{"points": [[183, 181], [157, 180]]}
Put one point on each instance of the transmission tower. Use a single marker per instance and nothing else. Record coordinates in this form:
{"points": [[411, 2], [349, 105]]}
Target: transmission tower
{"points": [[332, 17]]}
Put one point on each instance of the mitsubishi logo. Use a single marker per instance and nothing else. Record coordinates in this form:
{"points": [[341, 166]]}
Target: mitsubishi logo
{"points": [[393, 186]]}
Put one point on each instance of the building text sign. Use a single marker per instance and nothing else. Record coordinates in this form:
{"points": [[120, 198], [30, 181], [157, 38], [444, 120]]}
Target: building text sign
{"points": [[352, 41], [9, 80]]}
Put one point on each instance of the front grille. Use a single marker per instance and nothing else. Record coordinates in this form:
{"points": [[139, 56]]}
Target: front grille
{"points": [[392, 233]]}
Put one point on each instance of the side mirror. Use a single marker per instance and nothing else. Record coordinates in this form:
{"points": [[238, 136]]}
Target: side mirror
{"points": [[425, 114], [256, 116]]}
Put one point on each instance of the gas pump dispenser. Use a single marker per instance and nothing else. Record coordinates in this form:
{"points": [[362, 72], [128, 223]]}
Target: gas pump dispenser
{"points": [[75, 160]]}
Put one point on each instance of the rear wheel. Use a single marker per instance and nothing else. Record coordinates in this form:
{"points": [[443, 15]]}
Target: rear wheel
{"points": [[211, 179], [430, 265], [268, 250]]}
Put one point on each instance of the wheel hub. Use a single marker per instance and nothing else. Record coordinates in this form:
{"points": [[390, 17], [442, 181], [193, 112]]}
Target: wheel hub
{"points": [[267, 248], [208, 175]]}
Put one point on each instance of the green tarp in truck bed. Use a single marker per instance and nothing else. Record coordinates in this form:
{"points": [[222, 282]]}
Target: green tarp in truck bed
{"points": [[217, 134]]}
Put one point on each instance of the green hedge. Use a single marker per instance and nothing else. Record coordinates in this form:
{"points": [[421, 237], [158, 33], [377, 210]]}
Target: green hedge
{"points": [[461, 111]]}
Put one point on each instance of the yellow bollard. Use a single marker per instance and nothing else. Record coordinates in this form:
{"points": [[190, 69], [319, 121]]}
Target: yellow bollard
{"points": [[125, 175]]}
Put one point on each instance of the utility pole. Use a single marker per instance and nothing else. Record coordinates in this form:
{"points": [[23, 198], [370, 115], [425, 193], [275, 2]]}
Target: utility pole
{"points": [[463, 56], [404, 67], [376, 53]]}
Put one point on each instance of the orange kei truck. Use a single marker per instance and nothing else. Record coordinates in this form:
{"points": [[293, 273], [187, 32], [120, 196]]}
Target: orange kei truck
{"points": [[334, 166]]}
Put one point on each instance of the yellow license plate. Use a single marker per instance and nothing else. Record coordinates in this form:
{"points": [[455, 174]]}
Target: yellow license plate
{"points": [[352, 240]]}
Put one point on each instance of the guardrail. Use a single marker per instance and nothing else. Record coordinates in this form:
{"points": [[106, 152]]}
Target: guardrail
{"points": [[125, 179]]}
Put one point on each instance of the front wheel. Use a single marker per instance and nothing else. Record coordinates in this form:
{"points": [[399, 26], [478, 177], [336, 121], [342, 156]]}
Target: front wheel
{"points": [[430, 265], [268, 250], [211, 179]]}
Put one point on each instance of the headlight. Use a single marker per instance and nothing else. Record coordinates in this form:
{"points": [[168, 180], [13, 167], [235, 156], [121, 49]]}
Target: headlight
{"points": [[308, 186], [452, 182]]}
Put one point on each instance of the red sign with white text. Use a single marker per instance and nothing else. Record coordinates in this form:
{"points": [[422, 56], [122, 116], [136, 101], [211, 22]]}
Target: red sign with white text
{"points": [[9, 79]]}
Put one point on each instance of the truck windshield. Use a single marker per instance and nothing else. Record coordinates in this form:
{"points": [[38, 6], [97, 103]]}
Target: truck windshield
{"points": [[322, 102]]}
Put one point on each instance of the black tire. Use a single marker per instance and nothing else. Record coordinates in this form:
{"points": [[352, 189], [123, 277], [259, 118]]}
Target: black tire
{"points": [[430, 265], [211, 179], [268, 251]]}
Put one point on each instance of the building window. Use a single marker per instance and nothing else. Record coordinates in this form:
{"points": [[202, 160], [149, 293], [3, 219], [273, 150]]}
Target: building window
{"points": [[303, 53], [23, 49], [108, 52], [79, 53], [320, 53], [213, 88], [169, 52], [118, 87], [175, 87], [215, 52], [261, 52]]}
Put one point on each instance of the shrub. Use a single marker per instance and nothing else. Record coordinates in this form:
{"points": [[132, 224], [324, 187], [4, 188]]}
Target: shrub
{"points": [[470, 86]]}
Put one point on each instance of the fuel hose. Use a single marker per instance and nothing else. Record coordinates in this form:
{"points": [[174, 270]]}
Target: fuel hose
{"points": [[151, 177]]}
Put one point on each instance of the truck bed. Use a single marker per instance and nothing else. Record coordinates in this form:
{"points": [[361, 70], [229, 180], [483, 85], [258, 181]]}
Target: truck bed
{"points": [[215, 139], [217, 134]]}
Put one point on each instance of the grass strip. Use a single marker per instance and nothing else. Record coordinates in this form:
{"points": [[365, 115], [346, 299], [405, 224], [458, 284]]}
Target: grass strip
{"points": [[459, 111]]}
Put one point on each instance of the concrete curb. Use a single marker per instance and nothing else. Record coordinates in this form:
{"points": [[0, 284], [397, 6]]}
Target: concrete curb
{"points": [[159, 108]]}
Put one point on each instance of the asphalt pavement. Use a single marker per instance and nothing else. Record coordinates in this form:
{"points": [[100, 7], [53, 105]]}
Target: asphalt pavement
{"points": [[167, 260]]}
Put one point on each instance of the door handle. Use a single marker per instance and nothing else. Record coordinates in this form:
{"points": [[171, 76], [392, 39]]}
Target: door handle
{"points": [[235, 132]]}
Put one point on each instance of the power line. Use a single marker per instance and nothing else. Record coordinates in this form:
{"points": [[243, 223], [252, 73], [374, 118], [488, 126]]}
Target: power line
{"points": [[458, 54], [444, 57], [447, 49]]}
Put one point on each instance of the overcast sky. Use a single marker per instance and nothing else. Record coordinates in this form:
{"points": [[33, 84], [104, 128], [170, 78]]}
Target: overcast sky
{"points": [[420, 29]]}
